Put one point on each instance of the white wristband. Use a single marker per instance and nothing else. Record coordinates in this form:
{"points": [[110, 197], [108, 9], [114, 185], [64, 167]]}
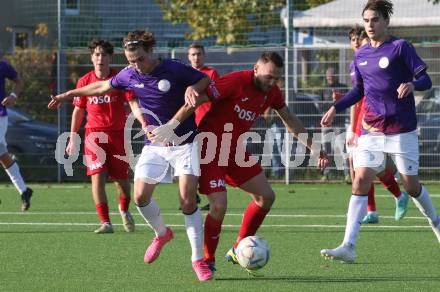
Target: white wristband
{"points": [[13, 94]]}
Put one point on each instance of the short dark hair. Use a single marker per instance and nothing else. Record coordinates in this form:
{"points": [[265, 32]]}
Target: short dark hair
{"points": [[139, 38], [358, 31], [197, 46], [384, 7], [274, 57], [105, 45]]}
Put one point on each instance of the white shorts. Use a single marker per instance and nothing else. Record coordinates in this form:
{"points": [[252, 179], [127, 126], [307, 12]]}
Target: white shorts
{"points": [[373, 149], [3, 129], [155, 161], [350, 149]]}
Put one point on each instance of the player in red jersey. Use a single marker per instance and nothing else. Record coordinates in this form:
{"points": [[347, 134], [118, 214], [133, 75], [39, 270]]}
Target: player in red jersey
{"points": [[197, 57], [238, 98], [358, 38], [105, 114]]}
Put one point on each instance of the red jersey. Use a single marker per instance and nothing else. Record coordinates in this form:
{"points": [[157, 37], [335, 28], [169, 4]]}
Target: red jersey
{"points": [[205, 107], [103, 112], [360, 117], [236, 99]]}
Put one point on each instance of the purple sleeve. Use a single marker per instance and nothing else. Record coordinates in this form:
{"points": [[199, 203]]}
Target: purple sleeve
{"points": [[352, 74], [188, 74], [414, 63], [10, 72], [351, 98], [121, 80], [422, 82]]}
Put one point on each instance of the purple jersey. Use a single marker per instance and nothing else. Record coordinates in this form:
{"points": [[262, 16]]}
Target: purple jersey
{"points": [[161, 91], [381, 71], [6, 71], [352, 73]]}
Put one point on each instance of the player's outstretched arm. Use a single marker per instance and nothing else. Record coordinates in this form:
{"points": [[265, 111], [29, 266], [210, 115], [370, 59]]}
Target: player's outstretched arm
{"points": [[10, 99], [165, 133], [193, 92], [296, 127], [96, 88], [136, 110], [327, 118]]}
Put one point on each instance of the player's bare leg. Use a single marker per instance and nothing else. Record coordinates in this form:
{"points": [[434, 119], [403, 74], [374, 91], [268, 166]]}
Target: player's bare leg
{"points": [[12, 169], [123, 189], [193, 223], [350, 163], [422, 200], [101, 203], [357, 209]]}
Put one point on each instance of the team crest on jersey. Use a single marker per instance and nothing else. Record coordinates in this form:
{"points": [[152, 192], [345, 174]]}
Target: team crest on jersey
{"points": [[384, 62], [164, 85]]}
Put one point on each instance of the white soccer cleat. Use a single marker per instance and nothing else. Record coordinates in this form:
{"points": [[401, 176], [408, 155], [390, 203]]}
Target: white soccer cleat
{"points": [[128, 221], [104, 229], [436, 230], [344, 252]]}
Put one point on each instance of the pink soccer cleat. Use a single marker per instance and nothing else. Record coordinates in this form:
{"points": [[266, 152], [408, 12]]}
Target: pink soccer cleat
{"points": [[202, 270], [153, 251]]}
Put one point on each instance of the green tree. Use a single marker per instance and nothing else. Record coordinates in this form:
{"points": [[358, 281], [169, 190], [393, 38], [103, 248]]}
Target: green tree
{"points": [[34, 67], [227, 20]]}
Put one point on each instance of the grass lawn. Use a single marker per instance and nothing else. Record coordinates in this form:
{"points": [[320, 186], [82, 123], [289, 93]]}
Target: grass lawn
{"points": [[53, 248]]}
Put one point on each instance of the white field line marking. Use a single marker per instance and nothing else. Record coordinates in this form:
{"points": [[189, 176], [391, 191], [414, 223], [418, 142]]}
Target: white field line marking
{"points": [[47, 187], [180, 214], [226, 225]]}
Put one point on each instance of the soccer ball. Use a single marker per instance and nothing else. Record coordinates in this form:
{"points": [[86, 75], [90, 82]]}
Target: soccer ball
{"points": [[252, 252]]}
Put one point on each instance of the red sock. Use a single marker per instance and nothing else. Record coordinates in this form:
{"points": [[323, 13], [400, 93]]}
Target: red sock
{"points": [[102, 210], [371, 201], [390, 183], [213, 228], [124, 202], [252, 219]]}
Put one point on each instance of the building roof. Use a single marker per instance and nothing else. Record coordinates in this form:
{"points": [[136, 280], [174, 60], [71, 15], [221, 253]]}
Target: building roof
{"points": [[344, 13]]}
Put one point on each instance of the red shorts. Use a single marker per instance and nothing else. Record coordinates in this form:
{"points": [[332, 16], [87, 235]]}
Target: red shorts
{"points": [[117, 169], [214, 177]]}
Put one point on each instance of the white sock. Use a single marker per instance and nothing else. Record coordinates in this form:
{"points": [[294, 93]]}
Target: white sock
{"points": [[14, 173], [151, 214], [357, 209], [194, 231], [424, 203]]}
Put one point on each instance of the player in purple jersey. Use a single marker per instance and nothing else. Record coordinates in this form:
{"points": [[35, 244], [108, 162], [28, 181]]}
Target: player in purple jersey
{"points": [[161, 86], [9, 164], [387, 71]]}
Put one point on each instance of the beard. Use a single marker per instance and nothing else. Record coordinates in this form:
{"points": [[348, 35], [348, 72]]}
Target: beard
{"points": [[260, 85]]}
